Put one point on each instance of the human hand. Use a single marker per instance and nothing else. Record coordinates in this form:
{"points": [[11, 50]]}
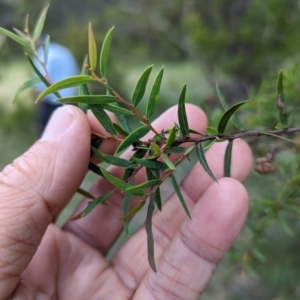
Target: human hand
{"points": [[40, 261]]}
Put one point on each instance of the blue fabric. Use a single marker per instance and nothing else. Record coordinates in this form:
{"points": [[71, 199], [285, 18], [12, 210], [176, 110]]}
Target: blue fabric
{"points": [[60, 65]]}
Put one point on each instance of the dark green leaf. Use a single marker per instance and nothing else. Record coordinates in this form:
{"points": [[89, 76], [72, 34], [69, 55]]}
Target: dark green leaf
{"points": [[148, 226], [152, 164], [179, 195], [133, 137], [196, 132], [123, 123], [85, 193], [95, 142], [168, 162], [182, 119], [125, 209], [225, 106], [138, 154], [154, 94], [66, 83], [147, 184], [135, 210], [120, 130], [140, 88], [92, 48], [104, 53], [25, 86], [158, 198], [227, 115], [171, 137], [89, 99], [100, 200], [120, 184], [95, 169], [227, 159], [103, 118], [112, 160], [40, 24], [203, 162], [280, 100], [117, 109], [175, 150], [16, 38]]}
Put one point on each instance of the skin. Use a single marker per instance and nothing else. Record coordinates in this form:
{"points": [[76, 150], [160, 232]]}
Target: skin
{"points": [[40, 261]]}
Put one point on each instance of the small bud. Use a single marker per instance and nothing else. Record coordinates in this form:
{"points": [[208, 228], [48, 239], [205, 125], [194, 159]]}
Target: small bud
{"points": [[264, 165]]}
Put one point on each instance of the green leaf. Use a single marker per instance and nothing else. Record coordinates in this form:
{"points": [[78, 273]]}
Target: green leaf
{"points": [[66, 83], [103, 118], [182, 119], [92, 48], [275, 136], [203, 162], [133, 137], [85, 193], [46, 49], [280, 100], [104, 53], [227, 115], [95, 169], [125, 209], [135, 210], [120, 184], [174, 150], [171, 137], [168, 162], [225, 106], [16, 38], [148, 226], [211, 131], [138, 154], [89, 99], [189, 150], [117, 109], [154, 94], [40, 24], [152, 164], [120, 130], [179, 195], [146, 184], [100, 200], [25, 86], [112, 160], [227, 159], [158, 198], [123, 123], [140, 88]]}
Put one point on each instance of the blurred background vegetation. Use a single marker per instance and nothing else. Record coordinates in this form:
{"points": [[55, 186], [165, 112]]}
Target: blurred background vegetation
{"points": [[239, 44]]}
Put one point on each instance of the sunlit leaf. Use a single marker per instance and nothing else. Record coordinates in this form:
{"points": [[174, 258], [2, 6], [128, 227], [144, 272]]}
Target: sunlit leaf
{"points": [[16, 38], [152, 164], [25, 86], [135, 210], [227, 159], [103, 118], [100, 200], [93, 54], [154, 94], [147, 184], [141, 85], [133, 137], [89, 99], [66, 83], [112, 160], [85, 193], [104, 53], [179, 195], [203, 162], [182, 119], [225, 106], [227, 115], [40, 24], [280, 100], [148, 226], [23, 35], [168, 162], [171, 137]]}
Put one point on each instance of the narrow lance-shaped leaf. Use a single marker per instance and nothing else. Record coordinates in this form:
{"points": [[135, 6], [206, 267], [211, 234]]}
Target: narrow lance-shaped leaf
{"points": [[16, 38], [182, 119], [146, 184], [135, 210], [154, 94], [85, 193], [179, 195], [125, 209], [152, 164], [203, 162], [25, 86], [148, 226], [103, 118], [133, 137], [226, 116], [225, 106], [104, 53], [280, 100], [171, 137], [168, 162], [227, 159], [83, 89], [46, 49], [88, 99], [95, 169], [117, 109], [140, 87], [137, 154], [120, 130], [112, 160], [40, 24], [92, 48], [158, 198], [66, 83]]}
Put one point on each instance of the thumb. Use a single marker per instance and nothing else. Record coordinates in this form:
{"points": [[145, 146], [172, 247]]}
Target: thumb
{"points": [[37, 185]]}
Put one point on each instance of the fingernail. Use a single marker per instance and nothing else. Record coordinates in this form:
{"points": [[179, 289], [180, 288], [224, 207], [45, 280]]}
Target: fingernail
{"points": [[60, 121]]}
